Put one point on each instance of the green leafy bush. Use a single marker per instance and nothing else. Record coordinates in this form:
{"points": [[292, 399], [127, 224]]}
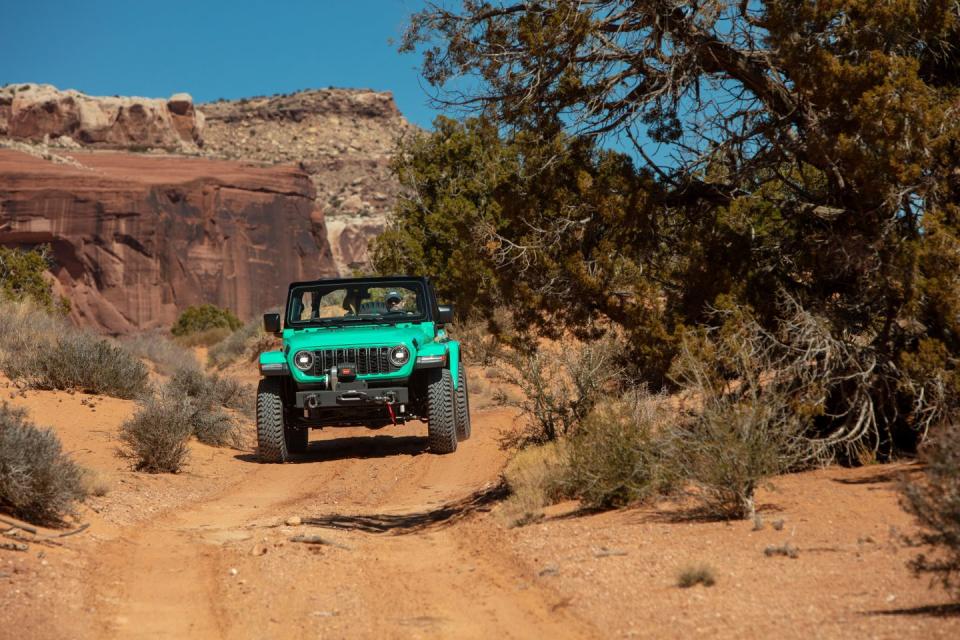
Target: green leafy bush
{"points": [[204, 318], [935, 502], [38, 481], [23, 277], [622, 453]]}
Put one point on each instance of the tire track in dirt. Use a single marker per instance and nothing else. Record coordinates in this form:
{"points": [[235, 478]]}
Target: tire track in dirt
{"points": [[171, 575]]}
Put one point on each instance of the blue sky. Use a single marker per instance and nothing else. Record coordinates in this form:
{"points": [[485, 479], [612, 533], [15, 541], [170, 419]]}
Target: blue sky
{"points": [[211, 48]]}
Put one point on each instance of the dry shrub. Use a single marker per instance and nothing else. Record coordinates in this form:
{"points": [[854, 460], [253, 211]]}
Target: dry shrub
{"points": [[560, 385], [481, 345], [700, 574], [38, 481], [205, 397], [622, 453], [935, 502], [205, 338], [756, 399], [44, 352], [156, 436], [94, 483], [243, 341], [85, 362], [156, 347], [534, 476]]}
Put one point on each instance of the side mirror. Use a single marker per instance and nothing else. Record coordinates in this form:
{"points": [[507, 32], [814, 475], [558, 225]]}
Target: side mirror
{"points": [[271, 322], [444, 314]]}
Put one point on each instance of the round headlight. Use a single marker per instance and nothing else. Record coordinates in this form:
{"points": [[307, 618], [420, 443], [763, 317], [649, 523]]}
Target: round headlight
{"points": [[303, 360], [399, 356]]}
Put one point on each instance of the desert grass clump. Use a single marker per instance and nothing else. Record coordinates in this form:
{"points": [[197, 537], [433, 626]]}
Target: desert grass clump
{"points": [[534, 477], [157, 434], [560, 385], [934, 501], [38, 481], [699, 574], [622, 453]]}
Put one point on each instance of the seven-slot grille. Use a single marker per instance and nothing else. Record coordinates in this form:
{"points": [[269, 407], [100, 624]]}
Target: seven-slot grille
{"points": [[367, 360]]}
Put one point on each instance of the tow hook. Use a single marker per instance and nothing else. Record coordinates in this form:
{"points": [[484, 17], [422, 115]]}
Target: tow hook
{"points": [[311, 402], [393, 416]]}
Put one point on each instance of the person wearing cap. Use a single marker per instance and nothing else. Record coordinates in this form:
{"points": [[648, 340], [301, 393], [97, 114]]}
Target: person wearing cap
{"points": [[394, 302]]}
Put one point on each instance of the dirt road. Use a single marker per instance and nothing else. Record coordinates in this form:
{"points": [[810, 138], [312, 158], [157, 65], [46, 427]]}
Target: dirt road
{"points": [[397, 543], [225, 565]]}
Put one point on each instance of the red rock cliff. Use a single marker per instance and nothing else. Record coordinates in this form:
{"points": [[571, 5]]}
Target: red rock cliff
{"points": [[136, 238]]}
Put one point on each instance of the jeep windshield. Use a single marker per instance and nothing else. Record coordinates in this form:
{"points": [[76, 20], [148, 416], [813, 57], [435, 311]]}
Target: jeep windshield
{"points": [[354, 302]]}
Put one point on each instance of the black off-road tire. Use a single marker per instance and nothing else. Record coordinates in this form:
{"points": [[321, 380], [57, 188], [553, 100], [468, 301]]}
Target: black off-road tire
{"points": [[463, 404], [441, 412], [271, 439]]}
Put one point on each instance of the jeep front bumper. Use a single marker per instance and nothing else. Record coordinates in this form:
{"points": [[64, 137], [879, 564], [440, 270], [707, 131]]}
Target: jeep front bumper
{"points": [[352, 397]]}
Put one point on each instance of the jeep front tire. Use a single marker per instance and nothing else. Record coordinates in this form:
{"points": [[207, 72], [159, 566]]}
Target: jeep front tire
{"points": [[271, 439], [441, 412]]}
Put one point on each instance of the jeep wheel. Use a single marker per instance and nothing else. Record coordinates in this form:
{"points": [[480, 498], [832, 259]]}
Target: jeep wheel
{"points": [[463, 404], [441, 412], [271, 440]]}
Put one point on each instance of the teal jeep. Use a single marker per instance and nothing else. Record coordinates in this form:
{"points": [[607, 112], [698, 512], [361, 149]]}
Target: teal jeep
{"points": [[360, 351]]}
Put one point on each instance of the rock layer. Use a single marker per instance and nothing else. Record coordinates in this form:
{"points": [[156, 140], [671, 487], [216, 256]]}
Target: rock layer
{"points": [[136, 239], [41, 113], [344, 138]]}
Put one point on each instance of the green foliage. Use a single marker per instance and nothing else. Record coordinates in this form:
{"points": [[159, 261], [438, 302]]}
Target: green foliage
{"points": [[821, 166], [38, 481], [23, 277], [935, 502], [204, 318], [622, 453]]}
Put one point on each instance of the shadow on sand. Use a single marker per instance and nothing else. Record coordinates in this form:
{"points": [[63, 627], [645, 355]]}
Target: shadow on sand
{"points": [[354, 447], [411, 522]]}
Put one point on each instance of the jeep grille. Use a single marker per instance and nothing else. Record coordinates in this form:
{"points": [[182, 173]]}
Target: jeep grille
{"points": [[367, 359]]}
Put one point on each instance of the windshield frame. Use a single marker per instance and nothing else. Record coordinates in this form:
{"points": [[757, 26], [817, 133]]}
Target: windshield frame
{"points": [[417, 285]]}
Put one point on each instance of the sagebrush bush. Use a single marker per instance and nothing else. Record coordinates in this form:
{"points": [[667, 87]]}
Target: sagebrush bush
{"points": [[43, 351], [248, 340], [935, 502], [206, 396], [560, 384], [622, 453], [157, 434], [203, 318], [156, 347], [38, 481], [85, 362]]}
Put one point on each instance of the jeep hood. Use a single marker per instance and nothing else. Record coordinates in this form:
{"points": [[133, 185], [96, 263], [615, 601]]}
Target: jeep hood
{"points": [[413, 336]]}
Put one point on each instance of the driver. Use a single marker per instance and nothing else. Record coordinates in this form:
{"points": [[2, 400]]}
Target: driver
{"points": [[394, 302]]}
